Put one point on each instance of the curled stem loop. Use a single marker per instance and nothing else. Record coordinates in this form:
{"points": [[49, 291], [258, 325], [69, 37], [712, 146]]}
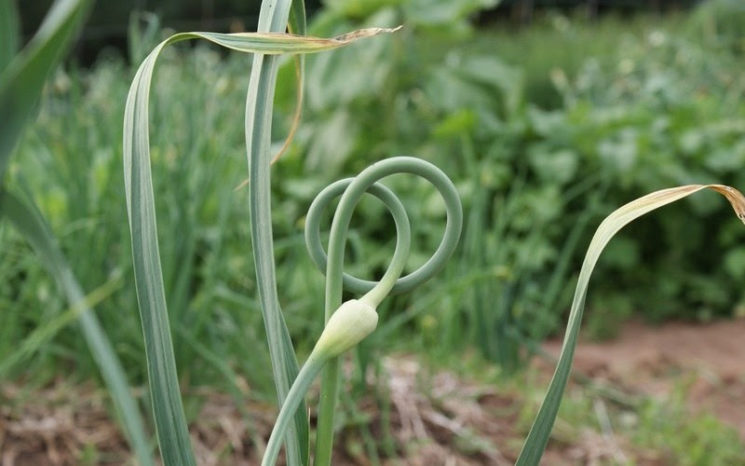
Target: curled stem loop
{"points": [[351, 191], [366, 181], [355, 319]]}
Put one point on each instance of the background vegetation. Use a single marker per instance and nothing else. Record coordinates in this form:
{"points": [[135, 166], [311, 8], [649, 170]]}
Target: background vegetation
{"points": [[543, 142]]}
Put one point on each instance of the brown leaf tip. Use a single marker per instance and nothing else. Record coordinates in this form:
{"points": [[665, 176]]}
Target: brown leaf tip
{"points": [[735, 198]]}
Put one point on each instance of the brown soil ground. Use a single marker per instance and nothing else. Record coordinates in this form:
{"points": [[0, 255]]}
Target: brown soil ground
{"points": [[651, 360], [433, 418]]}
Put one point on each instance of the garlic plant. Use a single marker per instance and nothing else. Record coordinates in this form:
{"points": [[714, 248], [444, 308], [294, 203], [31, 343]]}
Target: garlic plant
{"points": [[22, 76], [171, 428], [346, 323], [349, 322]]}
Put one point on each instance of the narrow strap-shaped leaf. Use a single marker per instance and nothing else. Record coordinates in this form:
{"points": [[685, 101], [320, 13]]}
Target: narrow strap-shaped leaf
{"points": [[272, 43], [170, 421], [537, 439], [273, 17], [29, 221], [22, 80], [9, 32]]}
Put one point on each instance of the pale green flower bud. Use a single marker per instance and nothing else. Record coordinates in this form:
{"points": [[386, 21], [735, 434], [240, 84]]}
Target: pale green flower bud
{"points": [[350, 324]]}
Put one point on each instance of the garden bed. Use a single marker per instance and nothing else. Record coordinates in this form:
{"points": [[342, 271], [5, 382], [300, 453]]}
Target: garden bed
{"points": [[435, 416]]}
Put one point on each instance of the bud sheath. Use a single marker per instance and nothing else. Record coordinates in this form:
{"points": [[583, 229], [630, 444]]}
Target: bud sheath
{"points": [[350, 324]]}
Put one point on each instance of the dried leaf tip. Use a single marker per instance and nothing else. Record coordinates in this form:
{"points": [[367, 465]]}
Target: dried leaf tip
{"points": [[735, 198], [364, 33]]}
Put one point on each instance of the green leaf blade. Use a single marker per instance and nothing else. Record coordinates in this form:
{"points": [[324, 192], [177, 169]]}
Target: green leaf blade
{"points": [[28, 220], [273, 17], [170, 421], [23, 79], [538, 437]]}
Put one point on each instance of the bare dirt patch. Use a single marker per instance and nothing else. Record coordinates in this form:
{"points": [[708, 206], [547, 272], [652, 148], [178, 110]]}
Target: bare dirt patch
{"points": [[651, 360], [416, 417]]}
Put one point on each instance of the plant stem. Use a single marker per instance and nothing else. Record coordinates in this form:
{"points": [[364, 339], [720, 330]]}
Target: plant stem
{"points": [[326, 408], [295, 396], [352, 190]]}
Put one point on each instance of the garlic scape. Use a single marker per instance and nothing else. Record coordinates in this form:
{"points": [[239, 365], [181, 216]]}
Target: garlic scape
{"points": [[350, 322]]}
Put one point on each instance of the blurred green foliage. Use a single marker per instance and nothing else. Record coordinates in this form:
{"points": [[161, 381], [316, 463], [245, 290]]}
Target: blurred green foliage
{"points": [[545, 131], [548, 130]]}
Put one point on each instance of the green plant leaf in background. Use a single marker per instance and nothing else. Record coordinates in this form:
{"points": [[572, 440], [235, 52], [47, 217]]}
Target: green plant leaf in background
{"points": [[537, 439], [43, 334], [9, 32], [22, 80], [170, 421], [28, 220]]}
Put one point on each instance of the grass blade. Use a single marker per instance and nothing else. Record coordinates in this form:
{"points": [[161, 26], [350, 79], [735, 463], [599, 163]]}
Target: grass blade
{"points": [[537, 439], [170, 421], [22, 81], [43, 334], [29, 221]]}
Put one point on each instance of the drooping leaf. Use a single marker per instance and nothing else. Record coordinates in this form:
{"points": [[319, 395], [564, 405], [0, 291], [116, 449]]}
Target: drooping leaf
{"points": [[537, 439], [170, 421]]}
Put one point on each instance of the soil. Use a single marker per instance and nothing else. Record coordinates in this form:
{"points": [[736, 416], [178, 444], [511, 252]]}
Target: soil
{"points": [[432, 418], [652, 360]]}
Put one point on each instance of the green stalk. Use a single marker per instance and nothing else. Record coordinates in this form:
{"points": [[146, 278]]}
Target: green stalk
{"points": [[293, 400], [334, 284], [326, 407], [329, 392], [173, 436], [348, 323], [335, 277]]}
